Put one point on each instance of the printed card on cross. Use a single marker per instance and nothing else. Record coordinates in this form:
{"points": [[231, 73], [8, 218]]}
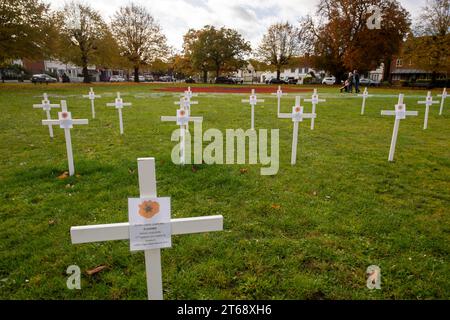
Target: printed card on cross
{"points": [[65, 120], [297, 113], [400, 111], [182, 117]]}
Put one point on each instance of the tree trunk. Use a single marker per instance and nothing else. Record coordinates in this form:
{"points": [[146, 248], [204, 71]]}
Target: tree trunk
{"points": [[217, 72], [205, 76], [136, 74], [84, 61], [433, 78], [278, 73], [387, 70]]}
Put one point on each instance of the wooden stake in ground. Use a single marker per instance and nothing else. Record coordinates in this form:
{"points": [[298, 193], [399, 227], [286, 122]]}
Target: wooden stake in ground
{"points": [[47, 106], [121, 231], [365, 95], [66, 122], [428, 103], [297, 116], [279, 94], [92, 97], [253, 100], [182, 119], [315, 101], [443, 97], [400, 113], [119, 104]]}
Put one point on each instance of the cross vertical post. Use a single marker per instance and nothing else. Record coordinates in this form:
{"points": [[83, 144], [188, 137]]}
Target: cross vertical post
{"points": [[400, 113], [92, 97], [314, 100], [47, 106], [279, 94], [428, 103], [119, 104], [253, 100], [365, 95], [443, 96]]}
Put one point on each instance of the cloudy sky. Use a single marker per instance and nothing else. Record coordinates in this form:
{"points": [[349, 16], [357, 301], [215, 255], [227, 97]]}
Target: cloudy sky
{"points": [[250, 18]]}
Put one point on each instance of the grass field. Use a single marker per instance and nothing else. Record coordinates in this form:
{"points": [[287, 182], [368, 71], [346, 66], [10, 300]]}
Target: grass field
{"points": [[308, 232]]}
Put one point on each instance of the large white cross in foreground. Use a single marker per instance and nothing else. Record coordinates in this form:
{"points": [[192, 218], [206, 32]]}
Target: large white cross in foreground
{"points": [[444, 95], [400, 113], [119, 104], [47, 106], [253, 100], [365, 95], [66, 122], [297, 116], [120, 231], [315, 101], [92, 97], [428, 103], [182, 119], [279, 94]]}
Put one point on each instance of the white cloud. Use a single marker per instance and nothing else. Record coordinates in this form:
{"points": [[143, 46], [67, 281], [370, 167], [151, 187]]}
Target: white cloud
{"points": [[250, 18]]}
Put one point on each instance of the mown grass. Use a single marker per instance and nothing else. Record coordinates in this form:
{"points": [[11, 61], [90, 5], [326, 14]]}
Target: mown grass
{"points": [[308, 232]]}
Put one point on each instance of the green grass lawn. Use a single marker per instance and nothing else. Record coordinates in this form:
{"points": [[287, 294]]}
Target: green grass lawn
{"points": [[308, 232]]}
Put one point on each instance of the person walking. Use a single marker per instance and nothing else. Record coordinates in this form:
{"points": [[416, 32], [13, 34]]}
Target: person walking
{"points": [[350, 82], [356, 80]]}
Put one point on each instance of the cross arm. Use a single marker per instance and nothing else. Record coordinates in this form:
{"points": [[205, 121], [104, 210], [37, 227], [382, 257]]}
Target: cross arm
{"points": [[80, 121], [309, 115], [387, 113], [426, 102], [170, 118], [412, 113], [285, 116], [39, 106], [121, 231], [50, 122]]}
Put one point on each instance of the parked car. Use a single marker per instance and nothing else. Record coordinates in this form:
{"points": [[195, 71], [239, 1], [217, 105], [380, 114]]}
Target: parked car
{"points": [[116, 78], [149, 78], [238, 80], [42, 78], [369, 82], [276, 81], [329, 81], [291, 80], [166, 79], [141, 78], [189, 80], [225, 80]]}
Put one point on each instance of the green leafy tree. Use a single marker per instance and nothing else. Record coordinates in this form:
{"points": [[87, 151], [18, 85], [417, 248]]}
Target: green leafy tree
{"points": [[218, 50]]}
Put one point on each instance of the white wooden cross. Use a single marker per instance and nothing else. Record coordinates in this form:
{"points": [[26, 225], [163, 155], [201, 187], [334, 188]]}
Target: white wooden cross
{"points": [[119, 104], [47, 106], [120, 231], [365, 95], [279, 94], [297, 116], [400, 113], [189, 94], [428, 103], [444, 95], [253, 100], [182, 119], [66, 122], [92, 97], [315, 101], [185, 103]]}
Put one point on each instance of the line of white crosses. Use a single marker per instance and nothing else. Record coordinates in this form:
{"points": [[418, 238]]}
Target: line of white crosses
{"points": [[47, 106], [120, 231], [66, 122], [297, 116], [443, 96], [253, 101], [189, 94], [428, 103], [365, 95], [400, 113], [315, 101], [92, 97], [279, 94], [119, 104]]}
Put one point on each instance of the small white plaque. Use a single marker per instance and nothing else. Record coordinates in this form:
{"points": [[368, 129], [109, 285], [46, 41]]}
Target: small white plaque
{"points": [[297, 113], [65, 120], [400, 111], [150, 226], [182, 117], [253, 99], [119, 103]]}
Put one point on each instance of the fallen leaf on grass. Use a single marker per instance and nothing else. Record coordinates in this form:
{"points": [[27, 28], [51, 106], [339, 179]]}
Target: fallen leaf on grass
{"points": [[243, 170], [64, 175], [51, 222], [194, 169], [276, 206], [95, 270]]}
